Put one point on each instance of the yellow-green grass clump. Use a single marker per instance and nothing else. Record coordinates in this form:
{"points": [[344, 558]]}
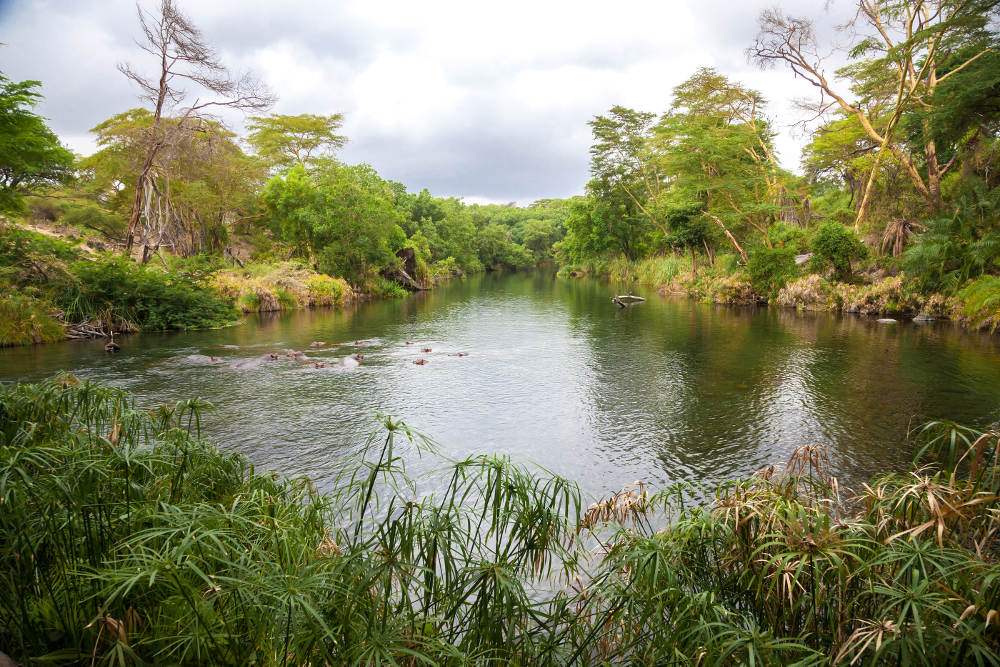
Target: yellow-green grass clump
{"points": [[281, 286], [24, 321]]}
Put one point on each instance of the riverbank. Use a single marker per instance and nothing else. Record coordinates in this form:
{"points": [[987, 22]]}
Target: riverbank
{"points": [[59, 288], [129, 535], [873, 293]]}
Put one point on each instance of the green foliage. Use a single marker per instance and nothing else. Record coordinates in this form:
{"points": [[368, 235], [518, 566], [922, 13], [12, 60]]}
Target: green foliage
{"points": [[956, 248], [770, 269], [344, 214], [835, 245], [784, 235], [108, 224], [128, 296], [31, 157], [25, 320], [982, 302], [126, 537], [285, 140], [389, 289]]}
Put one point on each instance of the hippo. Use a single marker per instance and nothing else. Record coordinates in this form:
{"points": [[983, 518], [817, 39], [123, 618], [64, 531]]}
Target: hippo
{"points": [[426, 349], [420, 362]]}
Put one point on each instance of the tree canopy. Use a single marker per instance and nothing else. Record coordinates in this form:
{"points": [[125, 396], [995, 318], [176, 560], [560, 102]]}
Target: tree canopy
{"points": [[31, 157]]}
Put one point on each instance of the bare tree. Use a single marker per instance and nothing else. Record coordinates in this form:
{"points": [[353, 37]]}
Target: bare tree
{"points": [[904, 45], [185, 59]]}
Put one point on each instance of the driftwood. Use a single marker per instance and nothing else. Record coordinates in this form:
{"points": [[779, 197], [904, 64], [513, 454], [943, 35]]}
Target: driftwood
{"points": [[626, 300], [86, 330]]}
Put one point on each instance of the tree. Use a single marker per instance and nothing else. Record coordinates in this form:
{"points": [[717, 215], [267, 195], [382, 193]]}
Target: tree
{"points": [[715, 145], [344, 214], [205, 178], [31, 157], [621, 158], [284, 140], [184, 58], [903, 52]]}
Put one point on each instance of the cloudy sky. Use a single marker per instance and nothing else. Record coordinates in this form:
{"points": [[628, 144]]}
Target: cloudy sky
{"points": [[489, 101]]}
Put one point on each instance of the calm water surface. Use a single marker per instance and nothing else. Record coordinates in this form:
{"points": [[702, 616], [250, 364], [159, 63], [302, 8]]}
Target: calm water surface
{"points": [[668, 390]]}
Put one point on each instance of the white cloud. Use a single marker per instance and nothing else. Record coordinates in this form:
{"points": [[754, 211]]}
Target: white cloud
{"points": [[486, 100]]}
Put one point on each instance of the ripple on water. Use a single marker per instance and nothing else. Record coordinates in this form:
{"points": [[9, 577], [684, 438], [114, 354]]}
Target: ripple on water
{"points": [[667, 391]]}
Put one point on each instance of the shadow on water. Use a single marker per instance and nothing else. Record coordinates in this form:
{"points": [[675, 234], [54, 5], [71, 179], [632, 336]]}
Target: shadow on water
{"points": [[664, 391]]}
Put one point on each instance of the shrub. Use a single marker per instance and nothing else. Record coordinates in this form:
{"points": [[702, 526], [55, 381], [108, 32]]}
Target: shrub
{"points": [[785, 235], [447, 267], [91, 217], [982, 302], [24, 320], [770, 269], [327, 291], [127, 295], [836, 245], [388, 288]]}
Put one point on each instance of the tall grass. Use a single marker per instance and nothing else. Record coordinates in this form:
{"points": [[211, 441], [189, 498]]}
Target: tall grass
{"points": [[126, 538], [25, 320]]}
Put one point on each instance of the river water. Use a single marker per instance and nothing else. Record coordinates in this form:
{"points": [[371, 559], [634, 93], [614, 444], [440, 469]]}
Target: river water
{"points": [[665, 391]]}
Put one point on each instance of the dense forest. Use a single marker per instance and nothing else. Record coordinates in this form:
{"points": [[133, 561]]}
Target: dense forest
{"points": [[894, 211]]}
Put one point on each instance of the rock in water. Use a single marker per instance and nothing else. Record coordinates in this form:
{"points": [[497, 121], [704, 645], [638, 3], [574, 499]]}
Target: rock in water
{"points": [[923, 318], [886, 320]]}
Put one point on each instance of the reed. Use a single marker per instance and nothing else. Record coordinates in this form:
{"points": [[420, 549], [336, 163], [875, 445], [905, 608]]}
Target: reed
{"points": [[126, 538]]}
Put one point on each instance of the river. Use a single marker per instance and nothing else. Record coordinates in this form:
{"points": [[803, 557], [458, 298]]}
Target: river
{"points": [[668, 390]]}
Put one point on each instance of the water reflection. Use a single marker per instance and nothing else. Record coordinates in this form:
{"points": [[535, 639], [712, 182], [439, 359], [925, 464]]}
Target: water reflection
{"points": [[664, 391]]}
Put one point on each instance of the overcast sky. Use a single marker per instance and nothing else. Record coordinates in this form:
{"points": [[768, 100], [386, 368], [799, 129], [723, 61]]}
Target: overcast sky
{"points": [[489, 101]]}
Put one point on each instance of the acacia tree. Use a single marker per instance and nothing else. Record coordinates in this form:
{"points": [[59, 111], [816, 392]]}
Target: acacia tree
{"points": [[904, 51], [31, 157], [284, 141], [715, 144], [184, 58], [208, 179]]}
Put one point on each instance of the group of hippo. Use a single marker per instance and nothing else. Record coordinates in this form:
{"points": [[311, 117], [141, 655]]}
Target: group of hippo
{"points": [[350, 361]]}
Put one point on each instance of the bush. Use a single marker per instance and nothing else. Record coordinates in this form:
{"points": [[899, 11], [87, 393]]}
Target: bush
{"points": [[388, 288], [770, 269], [836, 245], [24, 320], [91, 217], [327, 291], [982, 302], [785, 235], [131, 296]]}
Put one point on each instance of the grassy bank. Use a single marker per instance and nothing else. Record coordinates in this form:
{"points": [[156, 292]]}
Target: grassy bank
{"points": [[871, 292], [54, 288], [279, 286], [127, 538]]}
